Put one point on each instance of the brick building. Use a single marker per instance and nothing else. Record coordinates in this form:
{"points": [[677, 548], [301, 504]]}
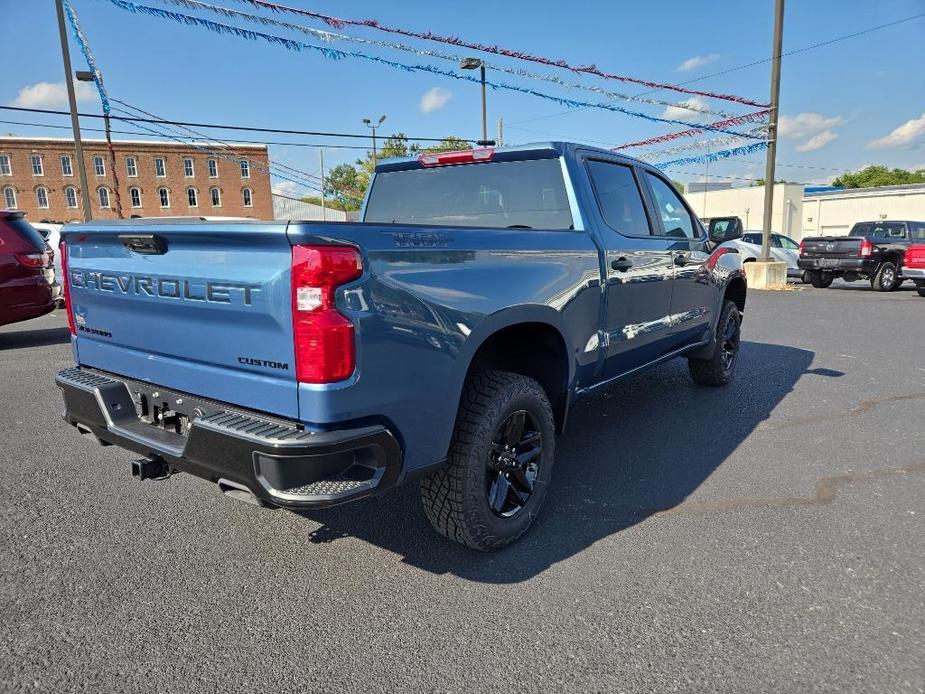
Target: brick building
{"points": [[39, 175]]}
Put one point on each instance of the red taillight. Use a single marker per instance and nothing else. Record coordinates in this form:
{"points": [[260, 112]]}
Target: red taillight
{"points": [[463, 156], [867, 248], [66, 284], [802, 247], [915, 257], [325, 350], [32, 259]]}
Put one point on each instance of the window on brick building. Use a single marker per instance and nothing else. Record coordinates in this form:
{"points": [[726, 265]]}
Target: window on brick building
{"points": [[160, 168], [104, 198], [67, 168], [9, 196], [38, 168], [164, 196], [99, 166], [70, 196], [131, 167], [248, 197], [41, 197], [188, 167], [192, 197], [5, 169], [245, 168], [213, 168], [135, 194], [216, 197]]}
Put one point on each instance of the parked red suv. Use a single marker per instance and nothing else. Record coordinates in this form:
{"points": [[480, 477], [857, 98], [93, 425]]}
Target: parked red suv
{"points": [[26, 273], [914, 267]]}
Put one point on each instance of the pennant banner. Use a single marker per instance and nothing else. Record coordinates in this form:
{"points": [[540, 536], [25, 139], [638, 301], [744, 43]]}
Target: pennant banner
{"points": [[337, 54], [715, 143], [714, 156], [691, 132], [330, 37], [340, 23]]}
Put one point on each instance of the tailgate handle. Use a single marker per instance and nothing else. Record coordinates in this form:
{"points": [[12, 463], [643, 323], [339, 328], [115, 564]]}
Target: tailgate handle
{"points": [[147, 244]]}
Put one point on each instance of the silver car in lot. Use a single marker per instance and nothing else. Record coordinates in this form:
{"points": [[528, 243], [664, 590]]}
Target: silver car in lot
{"points": [[783, 249]]}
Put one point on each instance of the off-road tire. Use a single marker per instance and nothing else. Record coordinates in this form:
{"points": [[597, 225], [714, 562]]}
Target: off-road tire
{"points": [[807, 277], [920, 288], [715, 371], [455, 498], [885, 279], [819, 279]]}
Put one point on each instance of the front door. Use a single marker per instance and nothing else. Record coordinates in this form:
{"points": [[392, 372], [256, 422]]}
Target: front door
{"points": [[638, 268], [693, 297]]}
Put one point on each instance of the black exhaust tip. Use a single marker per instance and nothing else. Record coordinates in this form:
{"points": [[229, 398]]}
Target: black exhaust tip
{"points": [[150, 469]]}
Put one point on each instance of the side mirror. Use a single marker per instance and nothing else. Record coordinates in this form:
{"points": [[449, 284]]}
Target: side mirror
{"points": [[725, 229]]}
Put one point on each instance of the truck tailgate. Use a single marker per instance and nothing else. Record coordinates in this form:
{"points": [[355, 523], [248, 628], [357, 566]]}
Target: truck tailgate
{"points": [[832, 246], [200, 308]]}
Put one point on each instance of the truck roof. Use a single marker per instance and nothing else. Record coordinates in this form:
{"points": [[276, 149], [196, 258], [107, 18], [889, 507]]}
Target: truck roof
{"points": [[530, 150]]}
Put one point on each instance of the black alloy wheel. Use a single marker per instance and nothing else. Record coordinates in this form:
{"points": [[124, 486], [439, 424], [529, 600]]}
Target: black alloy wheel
{"points": [[730, 337], [513, 464]]}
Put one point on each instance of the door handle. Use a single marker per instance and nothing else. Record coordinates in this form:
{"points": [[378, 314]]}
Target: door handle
{"points": [[622, 264]]}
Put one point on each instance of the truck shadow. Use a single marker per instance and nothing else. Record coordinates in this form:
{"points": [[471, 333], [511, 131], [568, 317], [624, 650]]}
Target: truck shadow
{"points": [[21, 339], [639, 449]]}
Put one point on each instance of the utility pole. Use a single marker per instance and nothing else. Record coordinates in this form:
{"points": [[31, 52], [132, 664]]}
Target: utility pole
{"points": [[484, 141], [772, 132], [501, 132], [324, 215], [75, 121]]}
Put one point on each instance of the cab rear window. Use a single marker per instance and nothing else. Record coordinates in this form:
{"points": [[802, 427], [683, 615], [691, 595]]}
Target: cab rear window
{"points": [[501, 195]]}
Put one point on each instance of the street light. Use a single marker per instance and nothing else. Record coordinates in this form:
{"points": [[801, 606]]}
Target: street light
{"points": [[472, 64], [369, 124], [72, 102]]}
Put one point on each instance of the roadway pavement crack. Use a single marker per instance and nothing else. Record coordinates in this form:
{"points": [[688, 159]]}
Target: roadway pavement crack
{"points": [[862, 407]]}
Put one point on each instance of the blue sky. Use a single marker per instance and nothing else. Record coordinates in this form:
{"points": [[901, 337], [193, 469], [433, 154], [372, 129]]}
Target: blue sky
{"points": [[852, 103]]}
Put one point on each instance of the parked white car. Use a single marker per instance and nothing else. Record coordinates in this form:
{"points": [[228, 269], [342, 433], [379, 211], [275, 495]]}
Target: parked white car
{"points": [[783, 249], [52, 235]]}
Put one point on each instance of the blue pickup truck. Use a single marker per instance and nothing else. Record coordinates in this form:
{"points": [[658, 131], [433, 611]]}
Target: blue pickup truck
{"points": [[441, 339]]}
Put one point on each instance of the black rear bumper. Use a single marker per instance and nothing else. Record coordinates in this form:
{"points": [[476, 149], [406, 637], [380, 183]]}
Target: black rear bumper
{"points": [[279, 463], [862, 266]]}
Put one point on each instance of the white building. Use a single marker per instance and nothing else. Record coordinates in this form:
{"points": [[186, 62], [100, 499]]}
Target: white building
{"points": [[748, 204], [289, 208], [798, 213], [832, 213]]}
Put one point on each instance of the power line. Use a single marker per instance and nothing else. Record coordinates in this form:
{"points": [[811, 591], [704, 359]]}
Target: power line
{"points": [[784, 54], [283, 131], [240, 142]]}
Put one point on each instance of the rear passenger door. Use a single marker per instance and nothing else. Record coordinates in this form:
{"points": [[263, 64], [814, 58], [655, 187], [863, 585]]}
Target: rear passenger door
{"points": [[693, 297], [638, 269]]}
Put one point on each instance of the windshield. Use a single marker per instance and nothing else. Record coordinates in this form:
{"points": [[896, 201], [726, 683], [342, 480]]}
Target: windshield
{"points": [[27, 232], [515, 194]]}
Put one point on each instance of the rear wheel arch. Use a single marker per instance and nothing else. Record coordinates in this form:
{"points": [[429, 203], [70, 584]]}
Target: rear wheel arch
{"points": [[533, 348], [736, 291]]}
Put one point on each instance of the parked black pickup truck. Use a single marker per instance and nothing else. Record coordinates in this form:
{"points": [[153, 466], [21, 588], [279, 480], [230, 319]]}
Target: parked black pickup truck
{"points": [[872, 250]]}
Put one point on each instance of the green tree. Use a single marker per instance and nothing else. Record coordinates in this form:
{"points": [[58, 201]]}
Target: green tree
{"points": [[450, 143], [346, 186], [875, 176], [678, 186]]}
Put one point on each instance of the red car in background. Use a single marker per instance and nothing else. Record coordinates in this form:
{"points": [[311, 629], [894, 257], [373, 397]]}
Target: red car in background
{"points": [[914, 266], [26, 271]]}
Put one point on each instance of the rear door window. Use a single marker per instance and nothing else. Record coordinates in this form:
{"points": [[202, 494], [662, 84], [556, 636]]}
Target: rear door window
{"points": [[502, 194], [917, 231], [676, 220], [619, 198]]}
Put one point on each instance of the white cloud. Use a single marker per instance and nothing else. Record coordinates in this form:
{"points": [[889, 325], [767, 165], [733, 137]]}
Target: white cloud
{"points": [[817, 141], [807, 124], [679, 112], [905, 134], [698, 61], [434, 99], [287, 188], [51, 94]]}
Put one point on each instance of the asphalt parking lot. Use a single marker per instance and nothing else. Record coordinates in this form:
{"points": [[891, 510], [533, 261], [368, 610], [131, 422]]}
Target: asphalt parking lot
{"points": [[769, 536]]}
